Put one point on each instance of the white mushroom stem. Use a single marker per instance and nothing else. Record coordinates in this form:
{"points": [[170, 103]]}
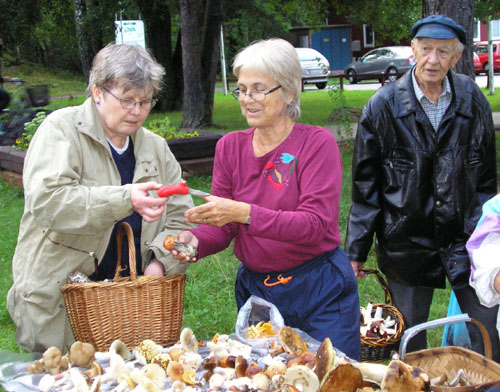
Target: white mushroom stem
{"points": [[378, 313], [46, 383], [373, 372], [79, 382]]}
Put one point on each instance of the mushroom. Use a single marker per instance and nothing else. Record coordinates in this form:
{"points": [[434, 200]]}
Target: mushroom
{"points": [[82, 354], [94, 371], [36, 367], [325, 358], [188, 341], [118, 369], [240, 366], [189, 377], [228, 361], [51, 360], [155, 373], [302, 378], [291, 341], [190, 360], [276, 367], [120, 348], [261, 381], [175, 353], [175, 371], [79, 382], [178, 386], [148, 349], [252, 369], [401, 377], [46, 382], [162, 359], [216, 381], [344, 378]]}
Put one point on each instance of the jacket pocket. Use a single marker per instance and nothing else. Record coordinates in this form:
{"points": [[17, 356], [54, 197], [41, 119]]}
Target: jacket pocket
{"points": [[457, 267]]}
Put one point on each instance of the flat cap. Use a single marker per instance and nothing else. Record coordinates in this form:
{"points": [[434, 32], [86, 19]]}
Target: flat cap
{"points": [[438, 27]]}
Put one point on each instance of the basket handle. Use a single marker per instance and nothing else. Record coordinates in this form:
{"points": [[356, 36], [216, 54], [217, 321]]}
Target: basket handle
{"points": [[382, 281], [460, 318], [131, 252]]}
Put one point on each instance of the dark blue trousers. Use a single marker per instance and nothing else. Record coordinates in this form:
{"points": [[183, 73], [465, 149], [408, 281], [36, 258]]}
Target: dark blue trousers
{"points": [[321, 299]]}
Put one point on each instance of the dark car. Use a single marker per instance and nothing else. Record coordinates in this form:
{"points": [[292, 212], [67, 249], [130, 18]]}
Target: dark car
{"points": [[390, 60]]}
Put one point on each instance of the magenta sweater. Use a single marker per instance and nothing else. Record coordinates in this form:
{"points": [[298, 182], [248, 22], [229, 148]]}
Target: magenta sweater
{"points": [[294, 193]]}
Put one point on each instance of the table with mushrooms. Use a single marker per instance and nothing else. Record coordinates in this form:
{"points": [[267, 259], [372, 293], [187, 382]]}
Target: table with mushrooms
{"points": [[224, 363]]}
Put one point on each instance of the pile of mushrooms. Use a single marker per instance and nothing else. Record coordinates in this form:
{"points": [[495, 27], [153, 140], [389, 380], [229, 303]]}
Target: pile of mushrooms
{"points": [[229, 366], [373, 325]]}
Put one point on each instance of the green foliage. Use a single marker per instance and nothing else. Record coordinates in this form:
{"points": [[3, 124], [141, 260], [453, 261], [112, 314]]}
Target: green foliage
{"points": [[162, 127], [11, 209], [389, 18], [30, 128]]}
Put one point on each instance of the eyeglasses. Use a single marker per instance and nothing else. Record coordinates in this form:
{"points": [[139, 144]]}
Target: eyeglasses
{"points": [[129, 103], [256, 95]]}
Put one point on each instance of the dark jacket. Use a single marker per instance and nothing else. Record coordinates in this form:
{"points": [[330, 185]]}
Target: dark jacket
{"points": [[420, 190]]}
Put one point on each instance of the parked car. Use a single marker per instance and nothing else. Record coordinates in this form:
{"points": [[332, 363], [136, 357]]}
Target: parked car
{"points": [[390, 60], [315, 67], [478, 67], [481, 48]]}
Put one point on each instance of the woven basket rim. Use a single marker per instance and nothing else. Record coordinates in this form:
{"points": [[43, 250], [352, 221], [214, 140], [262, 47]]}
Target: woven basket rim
{"points": [[124, 282]]}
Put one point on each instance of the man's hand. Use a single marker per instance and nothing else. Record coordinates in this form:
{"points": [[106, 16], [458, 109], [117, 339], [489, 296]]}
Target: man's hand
{"points": [[356, 267], [149, 207]]}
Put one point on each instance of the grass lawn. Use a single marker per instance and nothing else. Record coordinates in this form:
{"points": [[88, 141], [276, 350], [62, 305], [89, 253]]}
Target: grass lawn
{"points": [[209, 301]]}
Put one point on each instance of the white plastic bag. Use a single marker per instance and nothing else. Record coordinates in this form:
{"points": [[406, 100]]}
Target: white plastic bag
{"points": [[255, 310]]}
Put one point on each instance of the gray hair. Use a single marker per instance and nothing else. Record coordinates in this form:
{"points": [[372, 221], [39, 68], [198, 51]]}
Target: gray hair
{"points": [[278, 59], [128, 66]]}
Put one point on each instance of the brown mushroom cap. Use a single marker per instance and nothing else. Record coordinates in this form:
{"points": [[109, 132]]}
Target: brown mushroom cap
{"points": [[344, 378], [82, 354], [36, 367], [228, 362], [325, 357], [175, 353], [403, 377], [291, 341], [252, 369], [241, 365], [175, 371], [51, 359]]}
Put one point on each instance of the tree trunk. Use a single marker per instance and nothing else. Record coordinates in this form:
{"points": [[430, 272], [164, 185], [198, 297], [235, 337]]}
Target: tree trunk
{"points": [[210, 55], [461, 11], [193, 105], [86, 55], [157, 19]]}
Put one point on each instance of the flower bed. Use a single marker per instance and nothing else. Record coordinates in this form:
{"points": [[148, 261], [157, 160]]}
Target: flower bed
{"points": [[194, 154]]}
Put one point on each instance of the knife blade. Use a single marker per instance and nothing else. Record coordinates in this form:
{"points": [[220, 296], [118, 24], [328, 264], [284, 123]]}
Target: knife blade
{"points": [[180, 189]]}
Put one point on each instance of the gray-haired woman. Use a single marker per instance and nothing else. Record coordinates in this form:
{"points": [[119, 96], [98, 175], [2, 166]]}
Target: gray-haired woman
{"points": [[276, 190], [88, 168]]}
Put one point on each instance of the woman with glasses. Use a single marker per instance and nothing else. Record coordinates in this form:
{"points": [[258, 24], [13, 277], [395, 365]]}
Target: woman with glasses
{"points": [[275, 192], [89, 168]]}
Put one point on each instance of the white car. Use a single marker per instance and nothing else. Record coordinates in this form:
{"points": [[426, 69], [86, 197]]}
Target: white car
{"points": [[315, 67]]}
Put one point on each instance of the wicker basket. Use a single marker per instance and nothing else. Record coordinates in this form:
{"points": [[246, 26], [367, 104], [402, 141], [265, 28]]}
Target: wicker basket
{"points": [[129, 309], [380, 349], [479, 369]]}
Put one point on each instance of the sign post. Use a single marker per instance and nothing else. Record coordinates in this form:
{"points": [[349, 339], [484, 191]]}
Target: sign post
{"points": [[130, 32]]}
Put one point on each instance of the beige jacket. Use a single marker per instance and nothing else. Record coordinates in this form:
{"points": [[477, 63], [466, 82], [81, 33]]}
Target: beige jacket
{"points": [[73, 198]]}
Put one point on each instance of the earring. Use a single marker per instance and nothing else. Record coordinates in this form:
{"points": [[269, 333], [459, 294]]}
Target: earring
{"points": [[98, 103]]}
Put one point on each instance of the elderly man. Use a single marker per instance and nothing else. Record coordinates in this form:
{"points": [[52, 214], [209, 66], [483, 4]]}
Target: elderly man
{"points": [[423, 165]]}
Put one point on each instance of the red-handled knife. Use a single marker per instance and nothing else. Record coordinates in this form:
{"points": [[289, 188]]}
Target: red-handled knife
{"points": [[180, 189]]}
